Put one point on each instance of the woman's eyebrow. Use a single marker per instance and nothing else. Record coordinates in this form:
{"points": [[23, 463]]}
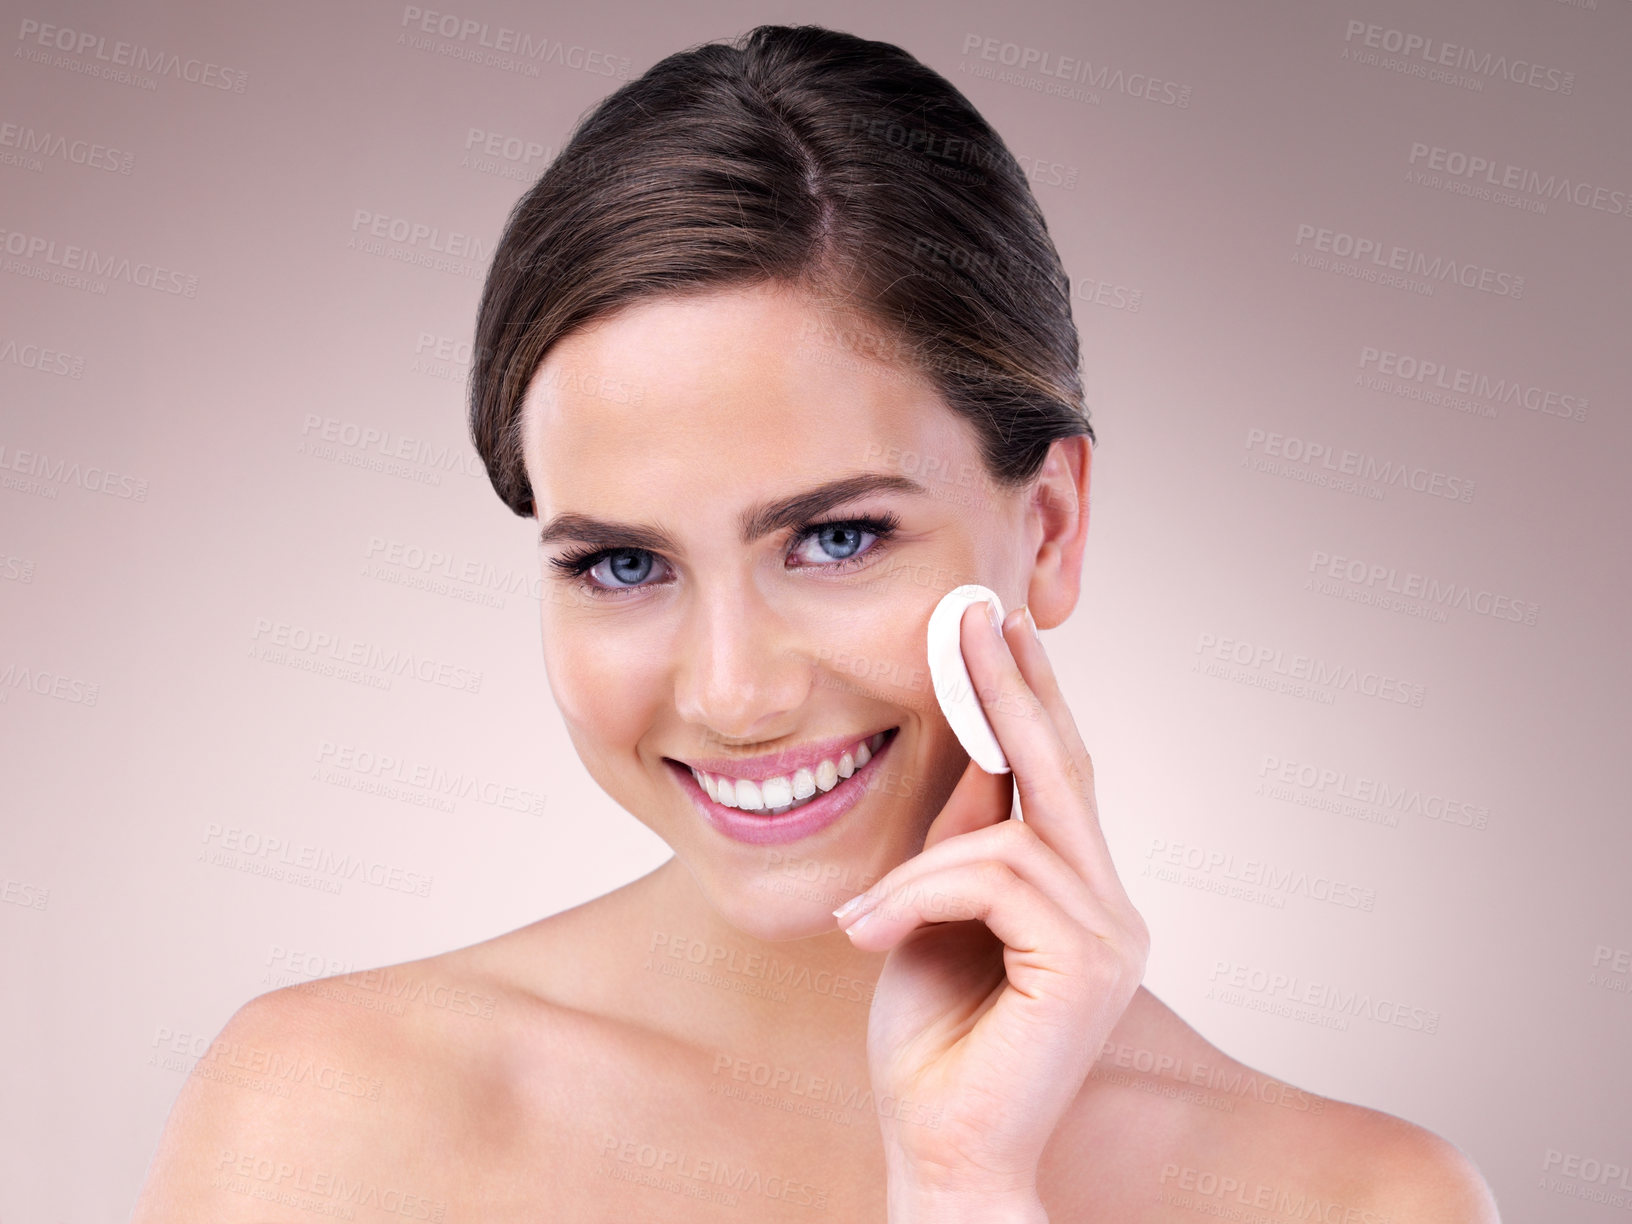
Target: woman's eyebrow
{"points": [[754, 522]]}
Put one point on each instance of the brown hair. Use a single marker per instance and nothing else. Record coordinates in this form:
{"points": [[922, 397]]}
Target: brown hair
{"points": [[812, 158]]}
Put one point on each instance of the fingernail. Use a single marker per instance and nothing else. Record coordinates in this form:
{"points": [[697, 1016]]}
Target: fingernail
{"points": [[857, 925], [995, 617], [850, 907], [1035, 636]]}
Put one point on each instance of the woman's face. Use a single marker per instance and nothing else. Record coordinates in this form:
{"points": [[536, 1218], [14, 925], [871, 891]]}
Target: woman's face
{"points": [[682, 454]]}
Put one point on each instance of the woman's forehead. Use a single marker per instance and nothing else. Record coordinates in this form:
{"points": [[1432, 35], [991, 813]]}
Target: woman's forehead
{"points": [[758, 330], [741, 376]]}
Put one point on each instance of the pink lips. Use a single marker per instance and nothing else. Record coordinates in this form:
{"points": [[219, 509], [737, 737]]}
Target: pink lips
{"points": [[758, 829], [779, 764]]}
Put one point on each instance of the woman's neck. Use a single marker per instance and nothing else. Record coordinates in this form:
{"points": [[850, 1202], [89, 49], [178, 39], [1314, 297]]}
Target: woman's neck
{"points": [[706, 981]]}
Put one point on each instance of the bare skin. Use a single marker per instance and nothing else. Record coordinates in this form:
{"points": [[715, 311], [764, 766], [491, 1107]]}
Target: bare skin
{"points": [[695, 1045], [568, 1068]]}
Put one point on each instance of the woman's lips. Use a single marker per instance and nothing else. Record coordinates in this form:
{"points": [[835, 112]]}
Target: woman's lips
{"points": [[757, 828]]}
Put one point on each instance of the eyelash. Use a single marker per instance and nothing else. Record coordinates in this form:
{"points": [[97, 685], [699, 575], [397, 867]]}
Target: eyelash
{"points": [[576, 565]]}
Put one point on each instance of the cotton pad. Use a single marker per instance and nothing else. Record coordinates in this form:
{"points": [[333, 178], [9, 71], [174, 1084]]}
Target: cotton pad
{"points": [[950, 677]]}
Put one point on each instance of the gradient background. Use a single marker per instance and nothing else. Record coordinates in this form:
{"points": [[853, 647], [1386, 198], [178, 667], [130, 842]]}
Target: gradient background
{"points": [[249, 430]]}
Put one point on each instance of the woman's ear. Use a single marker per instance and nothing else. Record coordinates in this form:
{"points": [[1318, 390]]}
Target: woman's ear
{"points": [[1058, 520]]}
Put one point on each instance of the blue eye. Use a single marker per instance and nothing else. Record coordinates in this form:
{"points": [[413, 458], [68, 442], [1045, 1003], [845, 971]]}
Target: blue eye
{"points": [[629, 565], [847, 535], [841, 539]]}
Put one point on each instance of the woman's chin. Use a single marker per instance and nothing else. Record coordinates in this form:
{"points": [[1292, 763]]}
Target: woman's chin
{"points": [[776, 910]]}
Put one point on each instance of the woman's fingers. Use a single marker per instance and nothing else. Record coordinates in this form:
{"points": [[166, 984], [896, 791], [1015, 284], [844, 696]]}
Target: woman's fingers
{"points": [[1038, 672], [1055, 793], [978, 800], [1009, 842], [1041, 935], [1049, 958]]}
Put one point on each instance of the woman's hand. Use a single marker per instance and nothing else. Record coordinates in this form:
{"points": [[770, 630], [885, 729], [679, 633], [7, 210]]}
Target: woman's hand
{"points": [[1013, 951]]}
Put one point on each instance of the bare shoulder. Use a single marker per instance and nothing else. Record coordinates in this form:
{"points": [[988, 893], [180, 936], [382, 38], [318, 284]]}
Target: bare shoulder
{"points": [[1370, 1166], [455, 1080], [355, 1088], [1403, 1172], [1211, 1133]]}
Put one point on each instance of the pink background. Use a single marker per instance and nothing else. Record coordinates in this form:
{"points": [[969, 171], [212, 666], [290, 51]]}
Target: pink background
{"points": [[282, 418]]}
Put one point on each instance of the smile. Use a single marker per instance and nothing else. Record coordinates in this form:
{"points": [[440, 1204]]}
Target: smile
{"points": [[773, 796], [810, 792]]}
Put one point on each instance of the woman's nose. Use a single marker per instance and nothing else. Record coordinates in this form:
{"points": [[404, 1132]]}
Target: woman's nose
{"points": [[740, 671]]}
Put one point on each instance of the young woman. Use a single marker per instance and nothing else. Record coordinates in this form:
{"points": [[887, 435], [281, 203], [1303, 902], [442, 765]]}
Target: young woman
{"points": [[777, 352]]}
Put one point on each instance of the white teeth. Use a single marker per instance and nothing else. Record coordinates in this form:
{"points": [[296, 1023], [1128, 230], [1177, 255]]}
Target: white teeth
{"points": [[776, 795], [804, 784]]}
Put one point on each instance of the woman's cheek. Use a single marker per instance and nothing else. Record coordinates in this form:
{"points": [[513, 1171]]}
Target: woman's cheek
{"points": [[599, 681], [866, 640]]}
